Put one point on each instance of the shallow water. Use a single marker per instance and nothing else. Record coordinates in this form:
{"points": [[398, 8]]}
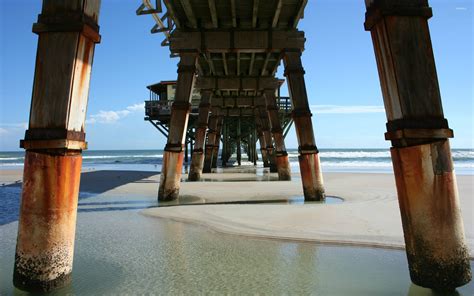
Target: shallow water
{"points": [[123, 252]]}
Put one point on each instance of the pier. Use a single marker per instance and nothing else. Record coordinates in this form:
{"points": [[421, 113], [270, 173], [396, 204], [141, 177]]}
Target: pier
{"points": [[226, 98]]}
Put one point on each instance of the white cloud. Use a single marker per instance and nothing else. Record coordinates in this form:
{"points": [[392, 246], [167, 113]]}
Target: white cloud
{"points": [[336, 109], [461, 8], [136, 107], [6, 128], [114, 116]]}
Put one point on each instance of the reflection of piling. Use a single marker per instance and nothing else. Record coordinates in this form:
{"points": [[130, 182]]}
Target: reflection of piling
{"points": [[54, 142], [426, 184], [197, 160], [310, 167], [173, 155]]}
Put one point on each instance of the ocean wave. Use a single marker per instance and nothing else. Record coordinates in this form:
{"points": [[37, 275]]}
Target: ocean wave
{"points": [[121, 156], [354, 154], [372, 164], [11, 158]]}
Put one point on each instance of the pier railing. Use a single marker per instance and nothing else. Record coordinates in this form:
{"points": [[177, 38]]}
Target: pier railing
{"points": [[284, 104]]}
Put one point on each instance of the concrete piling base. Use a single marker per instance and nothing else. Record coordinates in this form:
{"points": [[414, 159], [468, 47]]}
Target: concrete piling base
{"points": [[197, 165], [170, 176], [283, 167], [432, 224], [47, 224], [311, 177]]}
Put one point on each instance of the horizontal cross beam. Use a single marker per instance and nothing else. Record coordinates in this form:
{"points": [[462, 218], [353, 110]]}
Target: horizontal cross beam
{"points": [[236, 41], [237, 83]]}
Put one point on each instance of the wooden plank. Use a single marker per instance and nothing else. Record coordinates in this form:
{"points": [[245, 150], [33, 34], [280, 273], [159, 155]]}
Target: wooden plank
{"points": [[300, 13], [188, 10], [224, 62], [276, 16], [212, 8], [172, 13], [252, 60], [211, 63], [255, 13], [238, 63], [234, 15], [265, 63]]}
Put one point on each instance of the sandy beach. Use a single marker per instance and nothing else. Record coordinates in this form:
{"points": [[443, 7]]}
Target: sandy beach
{"points": [[227, 231], [369, 215]]}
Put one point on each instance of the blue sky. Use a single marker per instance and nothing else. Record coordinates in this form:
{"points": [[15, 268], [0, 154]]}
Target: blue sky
{"points": [[341, 74]]}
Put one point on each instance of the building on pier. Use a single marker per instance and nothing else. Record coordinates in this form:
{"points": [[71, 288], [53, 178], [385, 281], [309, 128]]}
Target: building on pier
{"points": [[239, 122]]}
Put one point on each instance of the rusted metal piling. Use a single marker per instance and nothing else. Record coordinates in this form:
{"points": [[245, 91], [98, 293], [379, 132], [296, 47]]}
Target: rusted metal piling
{"points": [[310, 167], [54, 141], [280, 155], [217, 141], [426, 184], [173, 156], [197, 160], [211, 139]]}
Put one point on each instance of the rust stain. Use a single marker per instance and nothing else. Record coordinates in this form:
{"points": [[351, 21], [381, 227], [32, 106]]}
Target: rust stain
{"points": [[47, 219], [311, 176], [170, 175], [430, 212]]}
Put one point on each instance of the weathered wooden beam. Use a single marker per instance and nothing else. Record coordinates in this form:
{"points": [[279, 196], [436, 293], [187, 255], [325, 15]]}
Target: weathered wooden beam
{"points": [[210, 62], [265, 63], [237, 83], [300, 13], [281, 156], [172, 13], [188, 10], [421, 154], [173, 155], [212, 9], [252, 61], [251, 41], [310, 168], [255, 13], [226, 102], [234, 112], [224, 62], [276, 16], [238, 64], [54, 142], [233, 12], [197, 160]]}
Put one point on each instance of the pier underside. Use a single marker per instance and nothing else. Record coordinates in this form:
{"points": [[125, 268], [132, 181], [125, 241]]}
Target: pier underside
{"points": [[229, 51]]}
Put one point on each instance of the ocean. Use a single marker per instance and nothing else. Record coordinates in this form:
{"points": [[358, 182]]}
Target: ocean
{"points": [[332, 160]]}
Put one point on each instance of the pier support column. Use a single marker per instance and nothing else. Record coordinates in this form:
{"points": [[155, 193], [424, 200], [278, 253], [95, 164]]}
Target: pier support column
{"points": [[239, 143], [54, 142], [426, 183], [310, 167], [217, 143], [261, 140], [265, 123], [281, 156], [173, 155], [211, 139], [197, 160]]}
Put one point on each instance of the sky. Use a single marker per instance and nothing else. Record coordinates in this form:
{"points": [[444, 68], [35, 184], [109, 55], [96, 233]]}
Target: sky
{"points": [[341, 74]]}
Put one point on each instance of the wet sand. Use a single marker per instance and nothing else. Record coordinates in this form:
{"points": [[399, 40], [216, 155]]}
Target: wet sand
{"points": [[369, 215], [137, 252]]}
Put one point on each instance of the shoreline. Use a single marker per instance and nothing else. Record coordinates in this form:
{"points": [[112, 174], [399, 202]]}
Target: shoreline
{"points": [[368, 217]]}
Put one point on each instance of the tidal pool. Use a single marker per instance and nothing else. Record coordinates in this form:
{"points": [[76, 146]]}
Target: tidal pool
{"points": [[123, 252]]}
